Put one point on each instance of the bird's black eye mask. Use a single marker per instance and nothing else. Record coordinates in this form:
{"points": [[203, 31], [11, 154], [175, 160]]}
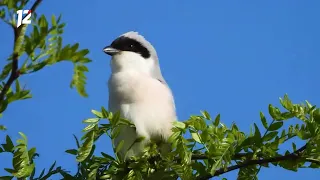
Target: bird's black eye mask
{"points": [[127, 44]]}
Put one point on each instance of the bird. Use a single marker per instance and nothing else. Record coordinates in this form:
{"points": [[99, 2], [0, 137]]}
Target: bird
{"points": [[140, 93]]}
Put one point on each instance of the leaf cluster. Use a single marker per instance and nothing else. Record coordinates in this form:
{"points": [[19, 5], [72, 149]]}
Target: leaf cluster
{"points": [[204, 147], [39, 48]]}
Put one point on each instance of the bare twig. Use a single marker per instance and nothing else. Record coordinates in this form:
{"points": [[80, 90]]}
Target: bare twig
{"points": [[18, 33]]}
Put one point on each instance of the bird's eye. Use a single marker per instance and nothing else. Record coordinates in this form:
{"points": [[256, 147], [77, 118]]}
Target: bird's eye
{"points": [[131, 46]]}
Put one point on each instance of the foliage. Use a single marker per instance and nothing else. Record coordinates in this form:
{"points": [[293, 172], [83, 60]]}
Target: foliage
{"points": [[212, 149], [203, 147], [40, 48]]}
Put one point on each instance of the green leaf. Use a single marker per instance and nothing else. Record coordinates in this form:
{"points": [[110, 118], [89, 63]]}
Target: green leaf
{"points": [[115, 118], [217, 120], [311, 127], [43, 23], [179, 124], [119, 146], [303, 135], [83, 53], [36, 35], [8, 147], [19, 41], [32, 152], [3, 128], [2, 14], [206, 115], [275, 113], [270, 136], [18, 88], [248, 173], [139, 139], [316, 116], [53, 20], [287, 115], [196, 137], [86, 147], [93, 171], [21, 160], [52, 166], [178, 169], [91, 120], [294, 147], [72, 151], [107, 176], [66, 176], [223, 156], [79, 79], [77, 141], [3, 105], [315, 165], [116, 131], [289, 165], [38, 66], [74, 47], [97, 113], [105, 113], [89, 127], [6, 70], [21, 95], [257, 134], [107, 156], [6, 177], [286, 103], [275, 126], [173, 137], [263, 120], [11, 4], [80, 56], [9, 170]]}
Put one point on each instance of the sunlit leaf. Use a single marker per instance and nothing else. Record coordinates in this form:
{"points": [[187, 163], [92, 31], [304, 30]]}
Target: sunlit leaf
{"points": [[196, 137], [86, 147], [206, 115], [179, 124], [263, 120]]}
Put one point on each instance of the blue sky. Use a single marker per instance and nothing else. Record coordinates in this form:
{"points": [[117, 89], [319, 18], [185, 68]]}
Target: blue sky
{"points": [[228, 57]]}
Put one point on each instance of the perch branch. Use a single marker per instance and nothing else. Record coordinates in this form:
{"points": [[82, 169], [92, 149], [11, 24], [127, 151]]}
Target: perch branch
{"points": [[292, 156]]}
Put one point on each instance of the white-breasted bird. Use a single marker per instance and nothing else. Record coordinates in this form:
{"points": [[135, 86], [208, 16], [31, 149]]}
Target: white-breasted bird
{"points": [[138, 90]]}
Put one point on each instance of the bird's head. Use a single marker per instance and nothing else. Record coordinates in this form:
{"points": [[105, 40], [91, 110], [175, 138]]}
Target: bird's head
{"points": [[133, 52]]}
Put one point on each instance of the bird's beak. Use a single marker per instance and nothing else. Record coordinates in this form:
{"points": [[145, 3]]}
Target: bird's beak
{"points": [[110, 50]]}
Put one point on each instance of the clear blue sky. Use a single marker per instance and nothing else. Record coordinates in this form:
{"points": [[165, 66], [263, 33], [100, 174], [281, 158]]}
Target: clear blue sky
{"points": [[227, 57]]}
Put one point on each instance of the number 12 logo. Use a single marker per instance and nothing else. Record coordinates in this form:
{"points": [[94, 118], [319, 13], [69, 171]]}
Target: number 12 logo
{"points": [[26, 19]]}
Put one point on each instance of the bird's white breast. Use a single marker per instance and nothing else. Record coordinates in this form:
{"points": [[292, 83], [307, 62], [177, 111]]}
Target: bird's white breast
{"points": [[144, 100]]}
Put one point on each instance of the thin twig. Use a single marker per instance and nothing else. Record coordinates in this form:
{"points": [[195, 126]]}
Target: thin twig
{"points": [[203, 156], [292, 156], [14, 70]]}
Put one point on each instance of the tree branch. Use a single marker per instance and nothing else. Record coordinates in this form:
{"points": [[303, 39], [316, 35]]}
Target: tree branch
{"points": [[292, 156], [18, 34], [203, 156]]}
